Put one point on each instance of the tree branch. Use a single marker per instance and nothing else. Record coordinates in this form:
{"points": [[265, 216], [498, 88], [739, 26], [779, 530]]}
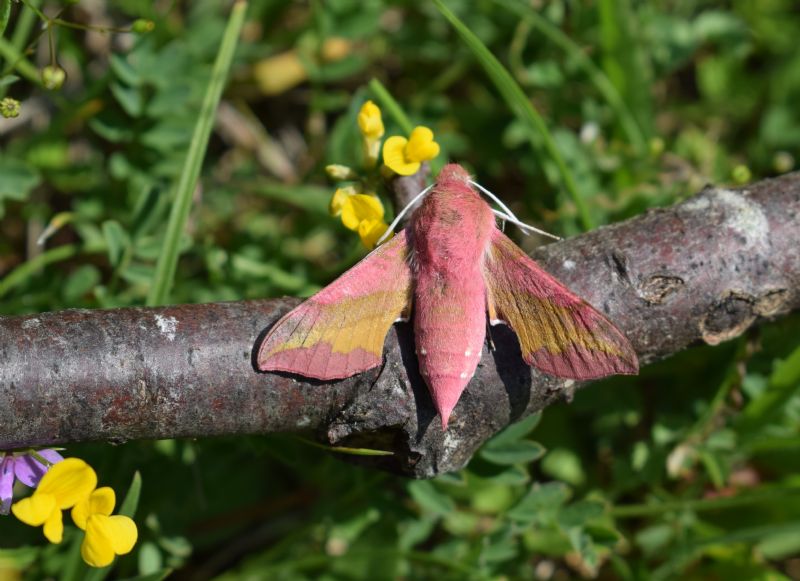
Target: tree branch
{"points": [[704, 270]]}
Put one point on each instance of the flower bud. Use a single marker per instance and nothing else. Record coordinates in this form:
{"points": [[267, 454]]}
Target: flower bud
{"points": [[142, 26], [53, 77], [741, 174], [336, 171]]}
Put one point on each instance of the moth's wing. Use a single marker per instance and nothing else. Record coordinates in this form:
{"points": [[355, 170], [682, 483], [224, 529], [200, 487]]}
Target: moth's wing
{"points": [[340, 331], [559, 333]]}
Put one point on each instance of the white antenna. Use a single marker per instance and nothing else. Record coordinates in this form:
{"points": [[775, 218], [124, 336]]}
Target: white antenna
{"points": [[523, 226], [509, 215], [495, 198], [402, 213]]}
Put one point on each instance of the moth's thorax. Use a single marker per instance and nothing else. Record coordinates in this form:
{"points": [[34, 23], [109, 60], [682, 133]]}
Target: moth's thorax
{"points": [[452, 227]]}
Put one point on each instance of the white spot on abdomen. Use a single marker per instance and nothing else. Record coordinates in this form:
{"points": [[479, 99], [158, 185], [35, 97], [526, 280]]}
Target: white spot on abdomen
{"points": [[467, 353]]}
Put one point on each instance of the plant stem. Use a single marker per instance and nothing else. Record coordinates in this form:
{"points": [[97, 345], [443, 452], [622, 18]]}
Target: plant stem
{"points": [[702, 504]]}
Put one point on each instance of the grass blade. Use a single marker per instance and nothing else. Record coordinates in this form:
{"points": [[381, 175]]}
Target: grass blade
{"points": [[604, 86], [522, 108], [623, 59], [392, 107], [168, 260], [5, 13]]}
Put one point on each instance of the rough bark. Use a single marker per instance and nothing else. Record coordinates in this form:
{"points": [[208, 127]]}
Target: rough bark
{"points": [[704, 270]]}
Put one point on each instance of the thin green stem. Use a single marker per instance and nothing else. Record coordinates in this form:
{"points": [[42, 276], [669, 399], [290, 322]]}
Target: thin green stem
{"points": [[187, 182], [36, 10], [29, 268], [76, 26], [314, 561], [390, 105], [345, 450], [39, 458], [703, 504], [25, 22], [522, 108]]}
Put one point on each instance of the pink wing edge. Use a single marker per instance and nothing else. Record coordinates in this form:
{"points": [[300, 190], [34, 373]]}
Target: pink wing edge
{"points": [[385, 269], [574, 361]]}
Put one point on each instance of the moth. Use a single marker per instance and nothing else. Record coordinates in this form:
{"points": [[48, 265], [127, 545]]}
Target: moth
{"points": [[448, 270]]}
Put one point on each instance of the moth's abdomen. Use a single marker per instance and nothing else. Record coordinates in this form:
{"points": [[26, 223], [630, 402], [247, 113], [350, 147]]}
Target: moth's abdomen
{"points": [[449, 331]]}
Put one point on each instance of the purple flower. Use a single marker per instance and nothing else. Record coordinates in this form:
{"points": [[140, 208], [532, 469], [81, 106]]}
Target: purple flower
{"points": [[26, 469]]}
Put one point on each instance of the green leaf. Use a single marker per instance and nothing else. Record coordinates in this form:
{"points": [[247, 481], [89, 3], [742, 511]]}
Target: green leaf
{"points": [[8, 79], [17, 180], [131, 501], [578, 513], [349, 531], [519, 452], [5, 13], [784, 383], [413, 532], [111, 128], [564, 464], [129, 98], [516, 431], [116, 240], [430, 498], [81, 281], [540, 503], [168, 261], [150, 559], [124, 71]]}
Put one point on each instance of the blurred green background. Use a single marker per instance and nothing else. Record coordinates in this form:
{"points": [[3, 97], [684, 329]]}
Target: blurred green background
{"points": [[690, 470]]}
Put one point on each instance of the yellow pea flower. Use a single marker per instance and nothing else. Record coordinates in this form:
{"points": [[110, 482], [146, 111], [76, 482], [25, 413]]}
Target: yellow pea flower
{"points": [[106, 535], [404, 156], [63, 486], [360, 207], [370, 121], [371, 125], [340, 196], [370, 232]]}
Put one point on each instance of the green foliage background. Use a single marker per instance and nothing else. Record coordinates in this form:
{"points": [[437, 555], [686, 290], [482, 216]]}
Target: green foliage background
{"points": [[590, 113]]}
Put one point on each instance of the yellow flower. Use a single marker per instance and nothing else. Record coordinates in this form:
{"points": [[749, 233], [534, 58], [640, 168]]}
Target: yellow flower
{"points": [[62, 487], [370, 232], [360, 207], [404, 156], [340, 196], [370, 121], [362, 213], [106, 535], [371, 125]]}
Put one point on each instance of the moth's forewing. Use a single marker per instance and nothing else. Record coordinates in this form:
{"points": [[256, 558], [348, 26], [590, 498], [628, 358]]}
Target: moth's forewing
{"points": [[340, 331], [559, 333]]}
